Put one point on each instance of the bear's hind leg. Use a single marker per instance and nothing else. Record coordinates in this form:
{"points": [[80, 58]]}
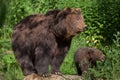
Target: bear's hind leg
{"points": [[25, 62]]}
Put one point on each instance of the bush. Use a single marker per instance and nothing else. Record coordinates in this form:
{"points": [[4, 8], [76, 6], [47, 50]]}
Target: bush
{"points": [[108, 70]]}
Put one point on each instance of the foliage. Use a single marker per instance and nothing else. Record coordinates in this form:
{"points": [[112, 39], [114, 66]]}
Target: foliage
{"points": [[108, 70], [101, 16]]}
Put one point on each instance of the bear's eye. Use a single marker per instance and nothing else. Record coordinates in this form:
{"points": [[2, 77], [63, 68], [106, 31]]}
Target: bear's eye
{"points": [[77, 21]]}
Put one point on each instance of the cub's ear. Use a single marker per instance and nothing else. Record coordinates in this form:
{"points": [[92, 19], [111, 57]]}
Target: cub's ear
{"points": [[90, 52], [64, 12]]}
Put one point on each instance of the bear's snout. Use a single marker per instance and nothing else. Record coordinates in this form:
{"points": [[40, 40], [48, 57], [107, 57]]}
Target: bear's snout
{"points": [[85, 27], [82, 29], [103, 58]]}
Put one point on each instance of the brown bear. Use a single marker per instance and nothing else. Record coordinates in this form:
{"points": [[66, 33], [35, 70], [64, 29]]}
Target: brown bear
{"points": [[40, 41], [87, 57]]}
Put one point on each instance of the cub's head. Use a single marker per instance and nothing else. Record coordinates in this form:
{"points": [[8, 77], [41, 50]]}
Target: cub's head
{"points": [[96, 54]]}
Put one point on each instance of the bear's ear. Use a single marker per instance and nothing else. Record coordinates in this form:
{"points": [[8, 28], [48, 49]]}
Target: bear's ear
{"points": [[90, 53], [67, 9], [64, 12], [76, 10]]}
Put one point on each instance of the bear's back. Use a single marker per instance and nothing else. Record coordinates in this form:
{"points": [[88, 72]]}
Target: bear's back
{"points": [[81, 53]]}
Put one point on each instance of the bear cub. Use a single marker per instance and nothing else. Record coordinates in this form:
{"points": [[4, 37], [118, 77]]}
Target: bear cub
{"points": [[87, 57]]}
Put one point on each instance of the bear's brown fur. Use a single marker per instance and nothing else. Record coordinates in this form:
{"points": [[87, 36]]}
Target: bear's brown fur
{"points": [[42, 40], [87, 57]]}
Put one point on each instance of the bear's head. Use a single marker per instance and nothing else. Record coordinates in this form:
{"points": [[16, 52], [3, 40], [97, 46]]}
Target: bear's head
{"points": [[96, 55], [69, 22]]}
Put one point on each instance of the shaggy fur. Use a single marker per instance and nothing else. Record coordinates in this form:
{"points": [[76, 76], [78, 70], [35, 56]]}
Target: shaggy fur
{"points": [[42, 40]]}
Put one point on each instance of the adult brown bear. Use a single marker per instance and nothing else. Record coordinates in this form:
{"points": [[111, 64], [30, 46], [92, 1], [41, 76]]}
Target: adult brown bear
{"points": [[42, 40], [87, 57]]}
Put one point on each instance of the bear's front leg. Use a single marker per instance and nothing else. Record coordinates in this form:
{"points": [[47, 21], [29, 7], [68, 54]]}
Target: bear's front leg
{"points": [[42, 60], [56, 63], [58, 59]]}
